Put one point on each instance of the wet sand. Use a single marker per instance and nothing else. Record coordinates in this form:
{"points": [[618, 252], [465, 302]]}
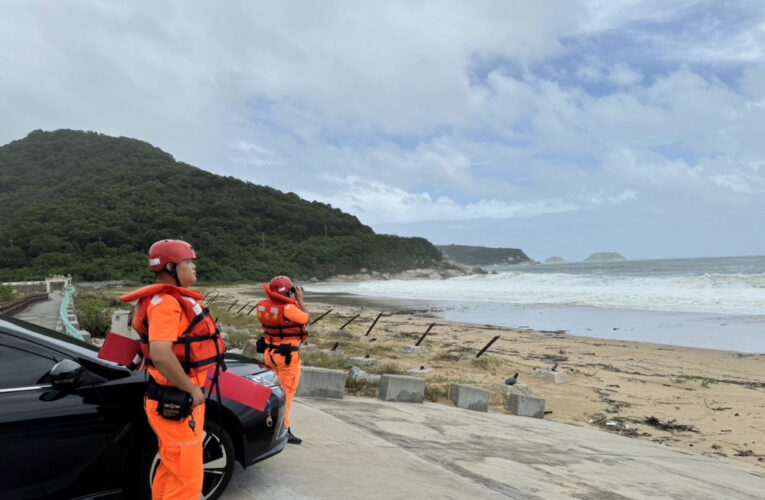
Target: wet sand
{"points": [[702, 401]]}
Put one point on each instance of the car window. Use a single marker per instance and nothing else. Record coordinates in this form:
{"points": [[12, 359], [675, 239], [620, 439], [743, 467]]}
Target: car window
{"points": [[20, 368]]}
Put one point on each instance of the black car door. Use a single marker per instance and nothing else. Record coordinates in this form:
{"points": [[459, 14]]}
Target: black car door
{"points": [[50, 441]]}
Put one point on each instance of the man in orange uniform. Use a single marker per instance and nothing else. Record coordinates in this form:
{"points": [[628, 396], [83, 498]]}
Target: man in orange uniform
{"points": [[169, 316], [284, 319]]}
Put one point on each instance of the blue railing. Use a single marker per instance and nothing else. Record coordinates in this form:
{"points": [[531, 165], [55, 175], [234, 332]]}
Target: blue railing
{"points": [[66, 304]]}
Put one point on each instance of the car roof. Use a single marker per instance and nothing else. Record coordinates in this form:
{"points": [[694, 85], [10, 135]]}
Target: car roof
{"points": [[79, 348], [51, 338]]}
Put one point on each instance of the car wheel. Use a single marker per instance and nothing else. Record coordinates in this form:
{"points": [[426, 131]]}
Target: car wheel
{"points": [[217, 456]]}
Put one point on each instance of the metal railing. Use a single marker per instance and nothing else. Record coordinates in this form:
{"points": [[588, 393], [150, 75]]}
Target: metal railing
{"points": [[18, 305], [68, 316]]}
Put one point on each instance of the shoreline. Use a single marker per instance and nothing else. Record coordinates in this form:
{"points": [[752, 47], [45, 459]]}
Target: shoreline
{"points": [[725, 332], [702, 401]]}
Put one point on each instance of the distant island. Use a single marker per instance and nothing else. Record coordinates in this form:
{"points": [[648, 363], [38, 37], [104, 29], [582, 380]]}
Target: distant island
{"points": [[605, 257], [484, 256], [555, 260]]}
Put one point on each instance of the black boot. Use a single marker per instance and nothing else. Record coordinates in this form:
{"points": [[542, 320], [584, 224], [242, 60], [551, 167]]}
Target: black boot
{"points": [[291, 438]]}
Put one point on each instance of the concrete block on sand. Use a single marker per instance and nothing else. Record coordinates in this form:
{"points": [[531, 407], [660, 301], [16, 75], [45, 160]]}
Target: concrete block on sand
{"points": [[526, 406], [321, 383], [415, 349], [330, 332], [470, 398], [550, 376], [308, 348], [403, 389], [358, 375], [420, 371], [517, 389], [363, 361], [250, 348], [332, 354]]}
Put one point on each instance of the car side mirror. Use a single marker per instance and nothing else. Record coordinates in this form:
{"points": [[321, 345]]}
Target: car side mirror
{"points": [[65, 375]]}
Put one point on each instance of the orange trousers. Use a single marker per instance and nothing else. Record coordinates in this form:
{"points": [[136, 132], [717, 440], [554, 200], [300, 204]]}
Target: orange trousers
{"points": [[181, 472], [289, 376]]}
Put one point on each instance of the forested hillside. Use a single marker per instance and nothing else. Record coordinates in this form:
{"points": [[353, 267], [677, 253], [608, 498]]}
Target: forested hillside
{"points": [[90, 205], [484, 256]]}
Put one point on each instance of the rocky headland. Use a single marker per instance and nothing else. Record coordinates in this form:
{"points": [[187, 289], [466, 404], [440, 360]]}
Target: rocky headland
{"points": [[447, 268], [606, 257]]}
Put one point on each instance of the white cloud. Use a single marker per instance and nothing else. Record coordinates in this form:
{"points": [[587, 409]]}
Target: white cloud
{"points": [[401, 112], [622, 74]]}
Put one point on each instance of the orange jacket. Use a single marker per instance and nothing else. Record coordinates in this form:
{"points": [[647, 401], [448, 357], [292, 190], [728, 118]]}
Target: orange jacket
{"points": [[197, 344], [282, 319]]}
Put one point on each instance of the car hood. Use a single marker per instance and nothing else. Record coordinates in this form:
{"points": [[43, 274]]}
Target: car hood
{"points": [[242, 365]]}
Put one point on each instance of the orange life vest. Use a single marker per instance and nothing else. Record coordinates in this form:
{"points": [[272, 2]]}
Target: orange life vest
{"points": [[276, 327], [200, 346]]}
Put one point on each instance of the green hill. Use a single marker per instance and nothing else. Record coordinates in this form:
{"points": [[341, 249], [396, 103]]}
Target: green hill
{"points": [[90, 205], [484, 256]]}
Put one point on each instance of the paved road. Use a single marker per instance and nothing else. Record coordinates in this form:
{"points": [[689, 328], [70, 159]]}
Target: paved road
{"points": [[46, 313], [359, 448]]}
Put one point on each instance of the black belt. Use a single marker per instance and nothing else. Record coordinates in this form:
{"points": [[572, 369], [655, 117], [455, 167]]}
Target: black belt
{"points": [[154, 389], [283, 348]]}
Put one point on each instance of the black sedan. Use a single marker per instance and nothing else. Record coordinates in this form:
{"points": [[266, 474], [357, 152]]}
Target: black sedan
{"points": [[73, 426]]}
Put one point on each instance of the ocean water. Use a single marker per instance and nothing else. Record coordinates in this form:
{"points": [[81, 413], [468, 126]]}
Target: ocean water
{"points": [[716, 303]]}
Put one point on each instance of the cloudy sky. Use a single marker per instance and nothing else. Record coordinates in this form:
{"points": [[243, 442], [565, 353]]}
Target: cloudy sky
{"points": [[559, 127]]}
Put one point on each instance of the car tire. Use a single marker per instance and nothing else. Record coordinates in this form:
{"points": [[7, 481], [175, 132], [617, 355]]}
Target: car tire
{"points": [[219, 459], [217, 455]]}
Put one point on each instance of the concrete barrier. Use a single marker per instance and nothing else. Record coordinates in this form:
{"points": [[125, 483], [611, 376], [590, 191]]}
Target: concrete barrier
{"points": [[250, 348], [415, 349], [550, 376], [420, 371], [526, 406], [309, 348], [321, 383], [330, 332], [517, 389], [468, 397], [403, 389], [332, 354], [363, 361], [356, 374]]}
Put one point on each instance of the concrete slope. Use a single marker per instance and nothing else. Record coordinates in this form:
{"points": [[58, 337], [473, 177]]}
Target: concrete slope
{"points": [[360, 448]]}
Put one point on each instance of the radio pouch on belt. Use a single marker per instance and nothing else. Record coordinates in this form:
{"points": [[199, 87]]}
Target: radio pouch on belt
{"points": [[175, 404], [286, 350], [172, 403]]}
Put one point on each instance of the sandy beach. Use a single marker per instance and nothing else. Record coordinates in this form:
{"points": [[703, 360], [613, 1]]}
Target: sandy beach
{"points": [[699, 400]]}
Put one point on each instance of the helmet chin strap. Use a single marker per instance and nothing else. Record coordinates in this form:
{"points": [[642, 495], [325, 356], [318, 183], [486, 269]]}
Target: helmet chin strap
{"points": [[174, 273]]}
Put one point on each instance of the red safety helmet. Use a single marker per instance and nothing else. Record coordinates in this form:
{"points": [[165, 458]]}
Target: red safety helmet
{"points": [[174, 251], [281, 284]]}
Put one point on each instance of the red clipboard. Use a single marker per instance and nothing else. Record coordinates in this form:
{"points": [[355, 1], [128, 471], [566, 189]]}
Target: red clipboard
{"points": [[121, 350]]}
